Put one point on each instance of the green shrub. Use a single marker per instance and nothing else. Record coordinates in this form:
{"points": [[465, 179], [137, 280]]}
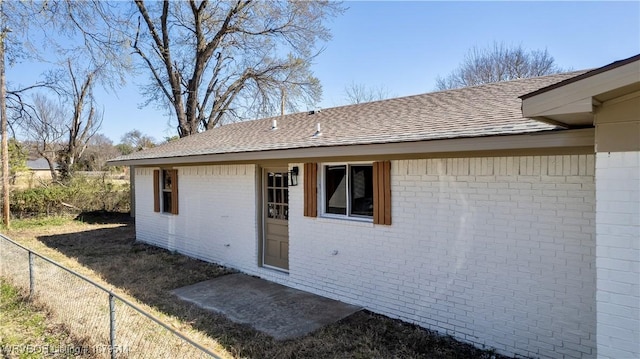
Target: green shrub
{"points": [[79, 194]]}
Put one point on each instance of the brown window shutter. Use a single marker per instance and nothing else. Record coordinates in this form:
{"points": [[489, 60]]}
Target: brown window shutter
{"points": [[174, 192], [310, 190], [382, 192], [156, 190]]}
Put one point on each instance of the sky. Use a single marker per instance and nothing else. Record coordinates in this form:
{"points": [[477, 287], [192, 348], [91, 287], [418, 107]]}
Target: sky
{"points": [[404, 46]]}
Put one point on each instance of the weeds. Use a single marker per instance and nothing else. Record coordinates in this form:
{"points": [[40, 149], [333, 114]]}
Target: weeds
{"points": [[25, 331], [77, 195]]}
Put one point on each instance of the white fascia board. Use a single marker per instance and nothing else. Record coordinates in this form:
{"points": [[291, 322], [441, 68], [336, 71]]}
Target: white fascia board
{"points": [[580, 90]]}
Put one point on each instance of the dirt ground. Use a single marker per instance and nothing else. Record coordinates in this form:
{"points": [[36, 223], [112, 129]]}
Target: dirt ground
{"points": [[103, 247]]}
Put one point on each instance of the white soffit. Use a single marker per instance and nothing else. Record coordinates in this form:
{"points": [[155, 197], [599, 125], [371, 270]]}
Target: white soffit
{"points": [[572, 104]]}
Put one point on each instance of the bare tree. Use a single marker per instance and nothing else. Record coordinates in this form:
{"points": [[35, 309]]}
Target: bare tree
{"points": [[99, 149], [498, 63], [85, 121], [19, 18], [208, 61], [44, 127], [229, 60], [96, 32], [356, 93], [135, 140], [61, 130]]}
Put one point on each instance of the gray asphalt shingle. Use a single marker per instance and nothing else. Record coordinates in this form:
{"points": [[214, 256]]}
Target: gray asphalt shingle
{"points": [[485, 110]]}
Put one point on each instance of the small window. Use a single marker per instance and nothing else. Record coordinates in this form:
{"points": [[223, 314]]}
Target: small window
{"points": [[166, 191], [349, 190]]}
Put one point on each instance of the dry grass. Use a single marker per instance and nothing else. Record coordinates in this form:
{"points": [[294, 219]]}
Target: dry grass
{"points": [[27, 330], [104, 248]]}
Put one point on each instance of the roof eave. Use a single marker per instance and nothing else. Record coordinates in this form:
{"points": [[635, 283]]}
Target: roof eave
{"points": [[585, 75], [581, 138], [571, 102]]}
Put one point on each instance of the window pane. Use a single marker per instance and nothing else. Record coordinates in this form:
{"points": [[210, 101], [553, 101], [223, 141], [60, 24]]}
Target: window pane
{"points": [[361, 190], [270, 179], [278, 196], [271, 195], [166, 180], [166, 202], [336, 193]]}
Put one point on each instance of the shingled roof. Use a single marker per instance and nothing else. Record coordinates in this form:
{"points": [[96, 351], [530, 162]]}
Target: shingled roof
{"points": [[485, 110]]}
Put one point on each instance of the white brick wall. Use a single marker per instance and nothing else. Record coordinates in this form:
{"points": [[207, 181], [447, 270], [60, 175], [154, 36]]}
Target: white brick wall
{"points": [[499, 252], [618, 254], [216, 220]]}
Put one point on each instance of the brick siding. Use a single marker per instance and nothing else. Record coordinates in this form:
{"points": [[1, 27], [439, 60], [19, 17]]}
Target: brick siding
{"points": [[498, 252], [618, 254]]}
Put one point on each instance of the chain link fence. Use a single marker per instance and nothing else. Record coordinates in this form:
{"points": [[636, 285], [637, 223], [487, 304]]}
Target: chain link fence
{"points": [[103, 324]]}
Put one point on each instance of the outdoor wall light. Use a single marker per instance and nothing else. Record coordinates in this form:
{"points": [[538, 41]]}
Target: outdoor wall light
{"points": [[293, 176]]}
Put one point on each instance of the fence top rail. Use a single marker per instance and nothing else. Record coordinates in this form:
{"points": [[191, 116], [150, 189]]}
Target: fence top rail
{"points": [[111, 293]]}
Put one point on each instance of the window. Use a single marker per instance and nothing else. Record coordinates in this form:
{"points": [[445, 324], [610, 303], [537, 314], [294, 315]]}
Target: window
{"points": [[349, 190], [277, 195], [166, 191], [165, 186]]}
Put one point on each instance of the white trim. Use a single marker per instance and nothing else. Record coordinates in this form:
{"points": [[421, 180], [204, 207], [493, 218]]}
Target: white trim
{"points": [[322, 192], [341, 217]]}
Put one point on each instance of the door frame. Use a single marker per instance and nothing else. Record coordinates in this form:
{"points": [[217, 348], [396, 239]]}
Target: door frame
{"points": [[263, 214]]}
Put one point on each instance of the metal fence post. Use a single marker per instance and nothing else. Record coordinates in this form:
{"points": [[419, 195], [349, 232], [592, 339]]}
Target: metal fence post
{"points": [[31, 276], [112, 325], [113, 348]]}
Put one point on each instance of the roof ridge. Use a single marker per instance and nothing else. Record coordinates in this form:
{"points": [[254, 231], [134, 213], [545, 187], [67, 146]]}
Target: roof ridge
{"points": [[575, 73]]}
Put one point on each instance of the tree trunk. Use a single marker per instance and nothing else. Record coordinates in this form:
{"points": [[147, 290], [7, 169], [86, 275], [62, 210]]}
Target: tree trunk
{"points": [[52, 169], [3, 128]]}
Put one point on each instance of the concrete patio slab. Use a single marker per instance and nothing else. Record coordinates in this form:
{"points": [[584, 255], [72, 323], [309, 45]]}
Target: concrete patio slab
{"points": [[279, 311]]}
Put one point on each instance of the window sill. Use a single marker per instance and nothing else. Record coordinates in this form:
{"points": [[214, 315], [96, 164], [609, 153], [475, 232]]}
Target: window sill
{"points": [[347, 218], [166, 214]]}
